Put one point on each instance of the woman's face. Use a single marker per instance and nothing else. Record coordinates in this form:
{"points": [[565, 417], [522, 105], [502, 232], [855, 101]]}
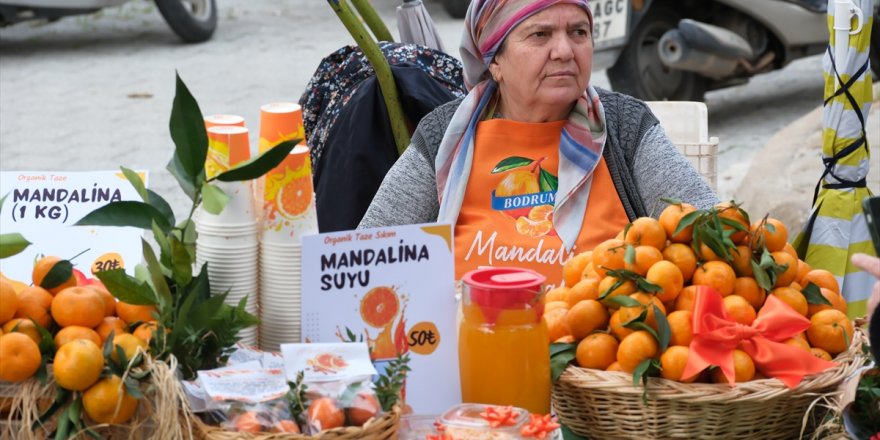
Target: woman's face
{"points": [[545, 61]]}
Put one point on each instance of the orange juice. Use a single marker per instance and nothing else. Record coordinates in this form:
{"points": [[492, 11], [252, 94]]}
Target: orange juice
{"points": [[504, 354]]}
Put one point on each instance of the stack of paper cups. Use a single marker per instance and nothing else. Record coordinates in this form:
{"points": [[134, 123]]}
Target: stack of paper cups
{"points": [[279, 122], [227, 242], [289, 214], [280, 299]]}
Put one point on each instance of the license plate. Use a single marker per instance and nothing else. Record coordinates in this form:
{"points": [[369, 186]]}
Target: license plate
{"points": [[610, 22]]}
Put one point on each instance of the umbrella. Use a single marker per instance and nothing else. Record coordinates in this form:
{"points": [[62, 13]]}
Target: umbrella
{"points": [[836, 227], [416, 26]]}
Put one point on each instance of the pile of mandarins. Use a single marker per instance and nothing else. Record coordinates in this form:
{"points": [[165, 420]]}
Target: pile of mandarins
{"points": [[612, 294], [80, 318]]}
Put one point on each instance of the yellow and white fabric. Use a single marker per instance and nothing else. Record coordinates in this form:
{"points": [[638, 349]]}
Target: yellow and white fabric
{"points": [[836, 228]]}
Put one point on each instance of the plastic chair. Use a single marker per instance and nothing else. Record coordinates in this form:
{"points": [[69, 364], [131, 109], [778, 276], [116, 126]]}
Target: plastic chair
{"points": [[687, 125]]}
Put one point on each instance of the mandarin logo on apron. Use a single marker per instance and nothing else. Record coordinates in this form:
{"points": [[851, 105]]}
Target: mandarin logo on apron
{"points": [[526, 193]]}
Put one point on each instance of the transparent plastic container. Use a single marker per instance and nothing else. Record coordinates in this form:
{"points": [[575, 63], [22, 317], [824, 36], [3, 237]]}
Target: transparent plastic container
{"points": [[415, 427], [503, 347], [464, 421]]}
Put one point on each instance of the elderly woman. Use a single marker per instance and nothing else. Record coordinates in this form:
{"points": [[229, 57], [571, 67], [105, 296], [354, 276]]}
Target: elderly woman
{"points": [[534, 164]]}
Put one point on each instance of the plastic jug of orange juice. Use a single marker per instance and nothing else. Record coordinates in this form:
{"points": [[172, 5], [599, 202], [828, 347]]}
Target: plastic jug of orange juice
{"points": [[503, 347]]}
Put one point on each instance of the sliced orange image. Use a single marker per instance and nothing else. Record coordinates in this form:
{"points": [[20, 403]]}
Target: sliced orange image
{"points": [[379, 306]]}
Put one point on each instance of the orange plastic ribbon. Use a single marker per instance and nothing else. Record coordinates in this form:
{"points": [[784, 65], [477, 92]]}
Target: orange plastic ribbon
{"points": [[716, 336]]}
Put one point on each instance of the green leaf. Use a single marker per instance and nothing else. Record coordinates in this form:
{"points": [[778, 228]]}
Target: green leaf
{"points": [[213, 198], [646, 286], [126, 213], [12, 244], [120, 355], [642, 317], [131, 387], [641, 371], [187, 183], [62, 397], [188, 131], [511, 163], [47, 343], [135, 180], [547, 181], [814, 295], [663, 331], [161, 205], [688, 220], [629, 257], [181, 263], [624, 301], [560, 360], [62, 430], [737, 226], [558, 347], [127, 288], [259, 165], [770, 227], [761, 276], [107, 349], [639, 325], [204, 313], [163, 292], [671, 201], [57, 275], [245, 318]]}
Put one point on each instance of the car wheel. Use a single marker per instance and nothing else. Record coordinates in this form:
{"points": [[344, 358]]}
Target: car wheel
{"points": [[640, 73], [194, 21], [456, 8]]}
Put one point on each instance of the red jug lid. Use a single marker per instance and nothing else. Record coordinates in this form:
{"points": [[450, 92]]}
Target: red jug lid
{"points": [[503, 288]]}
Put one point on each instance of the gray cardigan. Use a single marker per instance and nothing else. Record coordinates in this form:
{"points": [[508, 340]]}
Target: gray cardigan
{"points": [[644, 165]]}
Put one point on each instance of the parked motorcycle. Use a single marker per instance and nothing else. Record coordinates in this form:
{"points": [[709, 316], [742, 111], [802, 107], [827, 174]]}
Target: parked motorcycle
{"points": [[194, 21], [679, 49]]}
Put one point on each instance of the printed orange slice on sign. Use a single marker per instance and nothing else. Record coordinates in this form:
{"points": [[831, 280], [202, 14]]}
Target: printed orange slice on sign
{"points": [[327, 363], [531, 228], [379, 306]]}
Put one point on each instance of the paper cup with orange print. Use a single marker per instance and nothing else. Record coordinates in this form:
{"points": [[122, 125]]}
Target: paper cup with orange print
{"points": [[289, 211], [228, 145], [220, 120], [279, 122]]}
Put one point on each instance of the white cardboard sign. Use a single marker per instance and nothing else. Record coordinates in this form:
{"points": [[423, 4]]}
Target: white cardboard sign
{"points": [[392, 288], [43, 206]]}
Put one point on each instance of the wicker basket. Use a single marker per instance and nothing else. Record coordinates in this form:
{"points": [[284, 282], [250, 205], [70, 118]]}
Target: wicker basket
{"points": [[383, 427], [605, 405], [160, 414]]}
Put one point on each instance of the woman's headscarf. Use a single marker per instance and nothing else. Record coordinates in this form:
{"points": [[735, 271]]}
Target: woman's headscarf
{"points": [[487, 24]]}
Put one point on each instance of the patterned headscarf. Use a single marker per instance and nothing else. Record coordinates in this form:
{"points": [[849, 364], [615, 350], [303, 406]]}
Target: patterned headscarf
{"points": [[487, 24]]}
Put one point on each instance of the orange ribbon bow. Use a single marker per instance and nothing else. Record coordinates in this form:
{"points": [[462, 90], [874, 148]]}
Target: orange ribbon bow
{"points": [[716, 336]]}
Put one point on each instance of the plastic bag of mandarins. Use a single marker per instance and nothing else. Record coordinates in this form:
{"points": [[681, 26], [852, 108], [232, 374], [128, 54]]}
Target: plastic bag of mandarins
{"points": [[628, 304]]}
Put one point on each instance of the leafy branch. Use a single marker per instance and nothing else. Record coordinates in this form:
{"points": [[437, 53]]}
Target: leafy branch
{"points": [[196, 327], [390, 384]]}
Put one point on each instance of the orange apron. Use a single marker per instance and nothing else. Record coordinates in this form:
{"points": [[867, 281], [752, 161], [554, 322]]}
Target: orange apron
{"points": [[506, 217]]}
